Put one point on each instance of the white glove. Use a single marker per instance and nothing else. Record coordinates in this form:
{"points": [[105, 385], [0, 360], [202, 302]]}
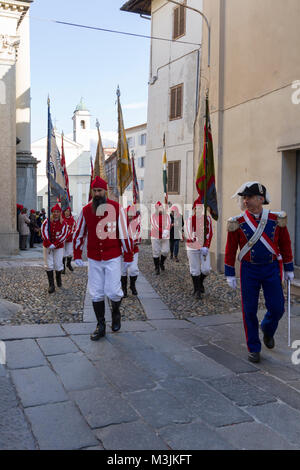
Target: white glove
{"points": [[204, 251], [51, 247], [288, 275], [165, 234], [79, 263], [231, 281]]}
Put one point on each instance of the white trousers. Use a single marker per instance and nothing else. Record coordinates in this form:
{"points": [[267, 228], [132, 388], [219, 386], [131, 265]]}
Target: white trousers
{"points": [[104, 278], [132, 268], [68, 249], [160, 247], [53, 259], [198, 263]]}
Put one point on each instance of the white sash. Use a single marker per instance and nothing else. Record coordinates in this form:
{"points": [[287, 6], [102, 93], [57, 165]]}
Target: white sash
{"points": [[257, 235]]}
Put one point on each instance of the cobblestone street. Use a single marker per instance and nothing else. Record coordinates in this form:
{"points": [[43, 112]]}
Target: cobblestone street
{"points": [[162, 383]]}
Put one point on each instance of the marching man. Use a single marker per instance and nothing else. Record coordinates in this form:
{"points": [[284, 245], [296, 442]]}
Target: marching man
{"points": [[160, 236], [68, 247], [103, 222], [198, 247], [265, 248], [53, 246], [130, 260]]}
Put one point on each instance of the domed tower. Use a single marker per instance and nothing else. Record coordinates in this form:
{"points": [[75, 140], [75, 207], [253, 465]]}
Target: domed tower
{"points": [[82, 125]]}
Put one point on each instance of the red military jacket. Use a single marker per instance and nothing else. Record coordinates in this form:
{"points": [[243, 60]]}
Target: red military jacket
{"points": [[106, 233], [239, 233], [160, 226], [71, 227], [194, 227], [58, 233]]}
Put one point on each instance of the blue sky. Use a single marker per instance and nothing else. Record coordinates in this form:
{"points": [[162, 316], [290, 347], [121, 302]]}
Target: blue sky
{"points": [[70, 63]]}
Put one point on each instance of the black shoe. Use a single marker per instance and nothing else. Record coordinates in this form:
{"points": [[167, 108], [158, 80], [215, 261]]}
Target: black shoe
{"points": [[171, 256], [156, 264], [124, 285], [51, 282], [58, 278], [176, 259], [132, 285], [115, 316], [162, 262], [254, 356], [269, 341], [64, 263], [196, 283], [69, 259], [99, 309]]}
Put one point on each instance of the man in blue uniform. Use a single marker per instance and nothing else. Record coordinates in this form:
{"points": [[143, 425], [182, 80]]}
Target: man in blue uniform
{"points": [[265, 251]]}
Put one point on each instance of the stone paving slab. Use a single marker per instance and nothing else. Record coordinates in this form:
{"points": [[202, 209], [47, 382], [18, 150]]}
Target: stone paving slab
{"points": [[24, 353], [76, 372], [55, 346], [103, 407], [30, 331], [159, 408], [38, 386], [254, 436], [96, 350], [218, 319], [124, 374], [136, 435], [8, 397], [190, 338], [168, 324], [155, 309], [164, 341], [193, 436], [226, 359], [205, 402], [241, 392], [281, 418], [60, 426], [15, 433], [200, 366]]}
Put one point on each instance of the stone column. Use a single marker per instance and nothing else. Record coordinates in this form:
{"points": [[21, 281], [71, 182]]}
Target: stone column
{"points": [[26, 163], [9, 237]]}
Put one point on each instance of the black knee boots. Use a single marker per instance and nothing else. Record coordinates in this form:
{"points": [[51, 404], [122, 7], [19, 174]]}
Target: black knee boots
{"points": [[58, 278], [51, 281], [99, 309], [162, 262], [197, 287], [124, 285], [156, 264], [64, 263], [202, 277], [69, 259], [132, 285], [115, 316]]}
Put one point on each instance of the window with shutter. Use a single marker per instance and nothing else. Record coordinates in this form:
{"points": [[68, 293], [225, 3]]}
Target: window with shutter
{"points": [[179, 22], [174, 177], [176, 101]]}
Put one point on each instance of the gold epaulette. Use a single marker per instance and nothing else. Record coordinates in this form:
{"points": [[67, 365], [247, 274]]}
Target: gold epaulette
{"points": [[233, 224], [282, 218]]}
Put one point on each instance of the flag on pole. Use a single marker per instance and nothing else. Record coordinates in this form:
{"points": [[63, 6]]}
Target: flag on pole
{"points": [[64, 167], [124, 173], [99, 167], [165, 170], [135, 185], [92, 177], [54, 171], [206, 182]]}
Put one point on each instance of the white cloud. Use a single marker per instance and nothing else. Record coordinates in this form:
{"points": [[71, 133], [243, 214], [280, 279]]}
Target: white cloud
{"points": [[140, 105]]}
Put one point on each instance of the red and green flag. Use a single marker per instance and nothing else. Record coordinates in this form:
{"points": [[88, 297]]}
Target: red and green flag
{"points": [[206, 182], [165, 171]]}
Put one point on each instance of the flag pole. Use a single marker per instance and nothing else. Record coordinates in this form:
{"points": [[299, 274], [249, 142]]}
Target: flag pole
{"points": [[205, 166], [48, 165], [289, 311], [119, 150]]}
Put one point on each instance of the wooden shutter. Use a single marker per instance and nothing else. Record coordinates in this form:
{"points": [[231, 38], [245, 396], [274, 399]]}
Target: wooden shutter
{"points": [[174, 177], [176, 102], [178, 22]]}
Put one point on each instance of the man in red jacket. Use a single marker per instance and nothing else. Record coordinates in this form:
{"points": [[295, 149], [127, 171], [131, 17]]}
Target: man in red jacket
{"points": [[53, 246], [130, 260], [103, 222], [68, 247]]}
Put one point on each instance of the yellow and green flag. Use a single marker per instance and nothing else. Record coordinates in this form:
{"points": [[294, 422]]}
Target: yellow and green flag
{"points": [[124, 172]]}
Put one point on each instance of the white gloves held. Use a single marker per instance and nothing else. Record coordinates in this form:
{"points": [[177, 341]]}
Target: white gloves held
{"points": [[204, 251], [231, 281], [51, 247], [288, 275], [79, 263]]}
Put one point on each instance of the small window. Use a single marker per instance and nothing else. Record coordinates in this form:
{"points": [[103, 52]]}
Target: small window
{"points": [[176, 95], [179, 22], [141, 162], [141, 185], [82, 124], [174, 177], [130, 142], [40, 203], [143, 139]]}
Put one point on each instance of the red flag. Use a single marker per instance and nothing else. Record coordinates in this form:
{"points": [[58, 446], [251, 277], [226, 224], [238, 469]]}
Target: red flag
{"points": [[135, 185], [92, 176], [64, 168]]}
